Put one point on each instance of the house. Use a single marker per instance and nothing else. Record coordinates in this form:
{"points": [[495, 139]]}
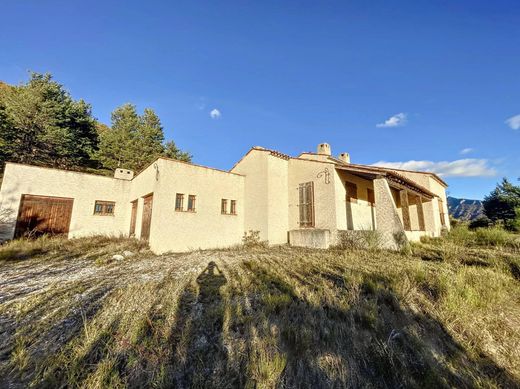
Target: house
{"points": [[310, 200]]}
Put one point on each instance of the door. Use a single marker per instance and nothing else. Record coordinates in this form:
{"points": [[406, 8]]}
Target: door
{"points": [[133, 218], [147, 217], [40, 215]]}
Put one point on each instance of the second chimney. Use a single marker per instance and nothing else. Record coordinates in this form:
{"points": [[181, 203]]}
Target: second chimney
{"points": [[344, 157], [324, 148]]}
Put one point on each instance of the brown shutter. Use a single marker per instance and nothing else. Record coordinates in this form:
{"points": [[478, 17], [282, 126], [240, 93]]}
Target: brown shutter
{"points": [[371, 197], [352, 194], [306, 204]]}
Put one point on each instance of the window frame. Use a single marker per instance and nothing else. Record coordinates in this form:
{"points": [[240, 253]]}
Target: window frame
{"points": [[104, 205], [223, 207], [232, 207], [192, 203], [179, 202]]}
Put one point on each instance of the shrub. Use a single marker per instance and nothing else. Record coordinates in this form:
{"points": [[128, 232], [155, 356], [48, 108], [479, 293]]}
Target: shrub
{"points": [[360, 239], [251, 239], [481, 221], [493, 236], [461, 235]]}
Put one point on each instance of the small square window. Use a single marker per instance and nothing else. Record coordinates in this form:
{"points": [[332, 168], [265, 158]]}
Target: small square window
{"points": [[233, 209], [179, 202], [104, 208], [191, 203], [223, 207]]}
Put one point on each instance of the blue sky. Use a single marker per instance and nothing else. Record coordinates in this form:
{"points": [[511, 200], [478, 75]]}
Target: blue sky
{"points": [[426, 84]]}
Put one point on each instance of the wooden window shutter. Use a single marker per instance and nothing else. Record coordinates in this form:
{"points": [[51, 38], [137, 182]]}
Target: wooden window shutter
{"points": [[306, 204], [352, 194], [370, 196], [441, 212]]}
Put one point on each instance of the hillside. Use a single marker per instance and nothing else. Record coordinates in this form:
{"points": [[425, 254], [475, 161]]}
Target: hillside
{"points": [[444, 314], [464, 209]]}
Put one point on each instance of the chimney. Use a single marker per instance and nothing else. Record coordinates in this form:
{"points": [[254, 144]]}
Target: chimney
{"points": [[123, 174], [344, 157], [324, 148]]}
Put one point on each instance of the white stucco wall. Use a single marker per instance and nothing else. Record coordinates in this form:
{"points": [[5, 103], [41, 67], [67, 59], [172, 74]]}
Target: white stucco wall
{"points": [[277, 199], [207, 227], [169, 230], [85, 189], [254, 169], [360, 215], [301, 171]]}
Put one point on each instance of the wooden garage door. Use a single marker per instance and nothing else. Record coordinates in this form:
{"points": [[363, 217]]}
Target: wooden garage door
{"points": [[43, 215]]}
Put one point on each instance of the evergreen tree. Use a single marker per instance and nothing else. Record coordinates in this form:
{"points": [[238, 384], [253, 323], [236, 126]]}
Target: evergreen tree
{"points": [[133, 141], [503, 205], [171, 151], [41, 124]]}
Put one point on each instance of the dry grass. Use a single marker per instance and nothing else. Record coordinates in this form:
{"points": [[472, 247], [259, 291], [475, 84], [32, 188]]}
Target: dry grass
{"points": [[445, 314]]}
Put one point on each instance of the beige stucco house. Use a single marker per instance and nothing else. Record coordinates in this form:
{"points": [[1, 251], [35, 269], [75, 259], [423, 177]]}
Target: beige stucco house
{"points": [[310, 200]]}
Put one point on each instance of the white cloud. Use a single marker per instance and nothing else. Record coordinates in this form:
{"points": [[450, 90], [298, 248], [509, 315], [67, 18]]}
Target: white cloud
{"points": [[394, 121], [466, 151], [215, 114], [469, 167], [514, 122]]}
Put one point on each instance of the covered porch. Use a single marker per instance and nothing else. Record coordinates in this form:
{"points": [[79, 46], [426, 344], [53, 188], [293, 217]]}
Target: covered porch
{"points": [[378, 199]]}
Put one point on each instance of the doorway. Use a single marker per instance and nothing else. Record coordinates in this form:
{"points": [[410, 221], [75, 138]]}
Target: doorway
{"points": [[147, 216]]}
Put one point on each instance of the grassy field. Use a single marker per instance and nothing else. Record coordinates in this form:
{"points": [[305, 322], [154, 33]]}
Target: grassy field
{"points": [[443, 313]]}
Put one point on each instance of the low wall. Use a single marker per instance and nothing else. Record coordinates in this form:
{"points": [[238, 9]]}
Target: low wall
{"points": [[415, 236], [311, 237]]}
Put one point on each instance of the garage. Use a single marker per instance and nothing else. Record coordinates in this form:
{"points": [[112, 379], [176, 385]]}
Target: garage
{"points": [[40, 215]]}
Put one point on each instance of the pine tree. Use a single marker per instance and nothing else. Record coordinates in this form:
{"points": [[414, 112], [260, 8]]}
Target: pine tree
{"points": [[133, 141], [503, 204], [41, 124]]}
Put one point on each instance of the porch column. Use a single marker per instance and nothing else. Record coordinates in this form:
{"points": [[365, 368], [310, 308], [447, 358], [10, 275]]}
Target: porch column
{"points": [[387, 219], [420, 213], [405, 208]]}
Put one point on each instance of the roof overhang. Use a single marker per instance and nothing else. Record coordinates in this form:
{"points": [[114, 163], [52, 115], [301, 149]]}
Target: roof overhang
{"points": [[394, 179]]}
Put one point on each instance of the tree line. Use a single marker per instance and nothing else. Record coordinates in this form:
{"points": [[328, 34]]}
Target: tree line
{"points": [[41, 124]]}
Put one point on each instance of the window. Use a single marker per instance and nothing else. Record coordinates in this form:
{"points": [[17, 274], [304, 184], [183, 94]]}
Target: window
{"points": [[351, 192], [370, 197], [223, 206], [306, 204], [179, 202], [233, 210], [104, 208], [191, 203]]}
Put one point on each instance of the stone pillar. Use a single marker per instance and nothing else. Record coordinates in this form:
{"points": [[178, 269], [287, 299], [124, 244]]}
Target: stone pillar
{"points": [[387, 219], [420, 213], [405, 209]]}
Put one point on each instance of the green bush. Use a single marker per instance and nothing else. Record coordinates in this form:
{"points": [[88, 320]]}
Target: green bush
{"points": [[493, 236], [251, 239], [480, 222], [461, 235]]}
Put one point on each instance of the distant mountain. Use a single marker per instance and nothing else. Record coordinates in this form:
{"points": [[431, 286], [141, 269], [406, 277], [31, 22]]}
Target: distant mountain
{"points": [[464, 209]]}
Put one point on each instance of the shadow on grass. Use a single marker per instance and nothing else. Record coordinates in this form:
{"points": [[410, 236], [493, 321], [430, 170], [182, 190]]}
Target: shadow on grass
{"points": [[274, 337], [376, 342], [198, 357]]}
